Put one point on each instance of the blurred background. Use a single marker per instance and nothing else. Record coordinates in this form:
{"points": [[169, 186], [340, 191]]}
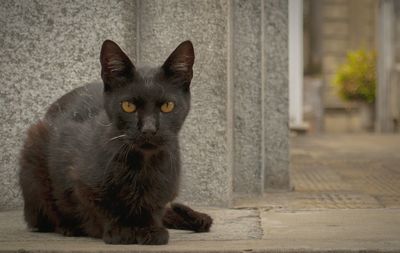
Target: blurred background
{"points": [[344, 104], [350, 61]]}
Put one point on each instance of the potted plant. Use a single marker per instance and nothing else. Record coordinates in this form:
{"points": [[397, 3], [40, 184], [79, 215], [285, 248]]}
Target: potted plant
{"points": [[355, 81]]}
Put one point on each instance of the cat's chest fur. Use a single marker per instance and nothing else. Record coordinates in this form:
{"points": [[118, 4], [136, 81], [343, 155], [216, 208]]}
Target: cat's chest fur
{"points": [[126, 182], [141, 182], [111, 174]]}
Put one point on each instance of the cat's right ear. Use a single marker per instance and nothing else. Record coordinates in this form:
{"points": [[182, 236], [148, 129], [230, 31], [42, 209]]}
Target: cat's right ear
{"points": [[116, 67], [180, 63]]}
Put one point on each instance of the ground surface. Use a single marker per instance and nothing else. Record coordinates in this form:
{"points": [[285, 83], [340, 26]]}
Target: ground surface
{"points": [[346, 199]]}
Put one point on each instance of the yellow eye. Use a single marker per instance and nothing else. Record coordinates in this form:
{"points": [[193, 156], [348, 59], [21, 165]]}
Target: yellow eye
{"points": [[128, 106], [167, 107]]}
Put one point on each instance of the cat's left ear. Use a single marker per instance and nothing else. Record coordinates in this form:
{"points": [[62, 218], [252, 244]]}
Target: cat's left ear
{"points": [[116, 67], [180, 63]]}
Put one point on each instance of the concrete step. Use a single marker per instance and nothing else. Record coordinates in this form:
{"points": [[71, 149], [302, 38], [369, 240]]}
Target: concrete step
{"points": [[239, 230]]}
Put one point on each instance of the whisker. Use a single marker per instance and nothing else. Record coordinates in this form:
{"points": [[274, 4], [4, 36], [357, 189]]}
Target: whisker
{"points": [[116, 137], [114, 157], [100, 123], [126, 154], [122, 151]]}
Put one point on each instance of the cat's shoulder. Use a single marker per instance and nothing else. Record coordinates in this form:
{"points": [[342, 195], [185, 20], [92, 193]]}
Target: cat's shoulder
{"points": [[78, 104]]}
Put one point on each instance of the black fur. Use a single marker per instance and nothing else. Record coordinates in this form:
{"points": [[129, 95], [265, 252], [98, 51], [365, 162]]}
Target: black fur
{"points": [[90, 169]]}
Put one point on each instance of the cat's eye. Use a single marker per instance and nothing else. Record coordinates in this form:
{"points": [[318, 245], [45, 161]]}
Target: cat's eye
{"points": [[167, 106], [128, 106]]}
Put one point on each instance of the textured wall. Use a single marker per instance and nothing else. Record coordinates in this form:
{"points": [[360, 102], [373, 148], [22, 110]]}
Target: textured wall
{"points": [[163, 25], [260, 71], [246, 71], [275, 100], [46, 49], [237, 130]]}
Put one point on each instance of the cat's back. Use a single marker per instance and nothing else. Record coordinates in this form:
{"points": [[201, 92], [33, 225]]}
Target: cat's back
{"points": [[77, 105]]}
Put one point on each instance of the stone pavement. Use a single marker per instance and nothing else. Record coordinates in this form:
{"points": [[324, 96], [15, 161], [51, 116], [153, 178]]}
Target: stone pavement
{"points": [[340, 172], [258, 230], [346, 199]]}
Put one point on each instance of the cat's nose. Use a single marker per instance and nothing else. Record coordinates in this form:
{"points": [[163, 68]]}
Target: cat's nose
{"points": [[149, 127], [149, 132]]}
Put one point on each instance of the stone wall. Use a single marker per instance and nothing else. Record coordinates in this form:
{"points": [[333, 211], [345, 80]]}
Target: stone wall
{"points": [[46, 49], [235, 140]]}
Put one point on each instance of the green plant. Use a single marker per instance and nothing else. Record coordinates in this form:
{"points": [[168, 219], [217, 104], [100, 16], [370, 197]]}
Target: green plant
{"points": [[355, 80]]}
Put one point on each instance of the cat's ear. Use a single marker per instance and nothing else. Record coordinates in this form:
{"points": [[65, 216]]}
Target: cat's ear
{"points": [[180, 63], [116, 67]]}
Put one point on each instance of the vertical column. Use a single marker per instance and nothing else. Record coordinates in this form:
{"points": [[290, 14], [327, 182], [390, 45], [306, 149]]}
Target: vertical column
{"points": [[205, 139], [275, 95], [296, 63], [246, 68], [385, 64]]}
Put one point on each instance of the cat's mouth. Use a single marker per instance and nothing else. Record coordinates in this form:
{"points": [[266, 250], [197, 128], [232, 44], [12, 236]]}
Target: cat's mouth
{"points": [[148, 146]]}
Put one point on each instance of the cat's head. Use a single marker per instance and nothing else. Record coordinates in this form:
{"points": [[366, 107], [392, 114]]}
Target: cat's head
{"points": [[147, 105]]}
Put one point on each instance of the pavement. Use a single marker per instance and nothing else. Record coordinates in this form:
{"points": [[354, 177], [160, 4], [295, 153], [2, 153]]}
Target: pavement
{"points": [[346, 198]]}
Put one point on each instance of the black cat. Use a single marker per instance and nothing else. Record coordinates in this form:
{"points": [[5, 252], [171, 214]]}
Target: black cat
{"points": [[104, 162]]}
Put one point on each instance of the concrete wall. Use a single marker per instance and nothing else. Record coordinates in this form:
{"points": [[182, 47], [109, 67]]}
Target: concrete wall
{"points": [[235, 139], [275, 101], [207, 174], [46, 49], [247, 95]]}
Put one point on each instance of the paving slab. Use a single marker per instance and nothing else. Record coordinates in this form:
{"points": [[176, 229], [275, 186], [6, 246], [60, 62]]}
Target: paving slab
{"points": [[350, 169], [311, 201], [389, 201], [261, 246], [316, 177], [367, 231], [333, 225], [229, 224]]}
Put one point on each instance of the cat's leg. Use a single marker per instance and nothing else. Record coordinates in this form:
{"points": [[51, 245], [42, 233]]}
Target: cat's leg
{"points": [[69, 231], [70, 226], [154, 233], [179, 216], [92, 223], [39, 206], [148, 235], [115, 233], [146, 229]]}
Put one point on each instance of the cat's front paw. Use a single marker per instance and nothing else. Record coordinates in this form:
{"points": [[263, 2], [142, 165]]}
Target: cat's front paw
{"points": [[119, 235], [197, 221], [69, 231], [152, 236], [202, 223]]}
